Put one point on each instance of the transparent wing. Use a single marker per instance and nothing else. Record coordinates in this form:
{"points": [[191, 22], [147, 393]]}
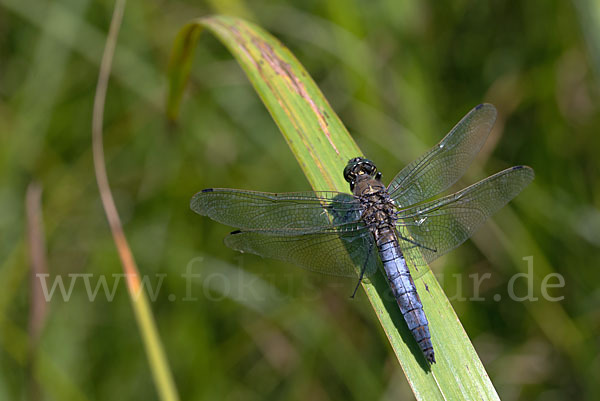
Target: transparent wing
{"points": [[446, 162], [335, 253], [439, 226], [301, 211]]}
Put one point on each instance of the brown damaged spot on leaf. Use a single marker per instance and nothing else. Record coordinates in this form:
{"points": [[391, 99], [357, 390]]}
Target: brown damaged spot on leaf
{"points": [[241, 43], [285, 70]]}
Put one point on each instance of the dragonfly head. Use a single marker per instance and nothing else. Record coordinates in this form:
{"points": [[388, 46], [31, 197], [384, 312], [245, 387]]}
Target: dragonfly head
{"points": [[357, 167]]}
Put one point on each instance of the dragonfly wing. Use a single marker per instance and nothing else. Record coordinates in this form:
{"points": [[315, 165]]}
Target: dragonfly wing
{"points": [[439, 226], [446, 162], [250, 210], [335, 253]]}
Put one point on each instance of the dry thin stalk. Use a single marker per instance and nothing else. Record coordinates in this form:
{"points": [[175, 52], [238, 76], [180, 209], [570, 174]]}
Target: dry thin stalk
{"points": [[37, 258], [154, 350]]}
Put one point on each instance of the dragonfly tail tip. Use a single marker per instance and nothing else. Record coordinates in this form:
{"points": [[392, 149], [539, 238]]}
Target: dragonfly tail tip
{"points": [[430, 356]]}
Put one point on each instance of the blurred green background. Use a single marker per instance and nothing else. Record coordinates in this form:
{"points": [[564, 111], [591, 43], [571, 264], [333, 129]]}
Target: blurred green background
{"points": [[400, 75]]}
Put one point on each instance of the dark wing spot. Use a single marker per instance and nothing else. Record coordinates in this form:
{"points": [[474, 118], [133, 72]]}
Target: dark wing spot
{"points": [[479, 106], [235, 232], [207, 190]]}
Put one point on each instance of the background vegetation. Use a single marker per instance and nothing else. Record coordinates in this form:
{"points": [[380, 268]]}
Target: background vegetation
{"points": [[400, 76]]}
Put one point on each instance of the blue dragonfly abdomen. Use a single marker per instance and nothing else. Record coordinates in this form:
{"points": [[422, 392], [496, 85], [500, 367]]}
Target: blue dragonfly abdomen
{"points": [[405, 292]]}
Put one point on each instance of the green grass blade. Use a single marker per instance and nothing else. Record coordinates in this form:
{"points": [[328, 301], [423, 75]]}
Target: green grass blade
{"points": [[322, 146]]}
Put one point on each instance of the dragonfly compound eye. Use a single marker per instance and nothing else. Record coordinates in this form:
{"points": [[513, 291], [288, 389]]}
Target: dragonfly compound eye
{"points": [[369, 168], [350, 171], [359, 166]]}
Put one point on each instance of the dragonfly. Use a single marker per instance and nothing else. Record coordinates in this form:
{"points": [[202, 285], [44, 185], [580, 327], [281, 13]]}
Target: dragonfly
{"points": [[377, 227]]}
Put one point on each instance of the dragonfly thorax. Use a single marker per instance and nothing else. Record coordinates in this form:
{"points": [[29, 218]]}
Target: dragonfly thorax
{"points": [[378, 208], [366, 186]]}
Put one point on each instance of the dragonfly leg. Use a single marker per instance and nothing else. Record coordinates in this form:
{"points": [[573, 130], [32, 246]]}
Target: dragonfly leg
{"points": [[416, 243], [362, 271]]}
